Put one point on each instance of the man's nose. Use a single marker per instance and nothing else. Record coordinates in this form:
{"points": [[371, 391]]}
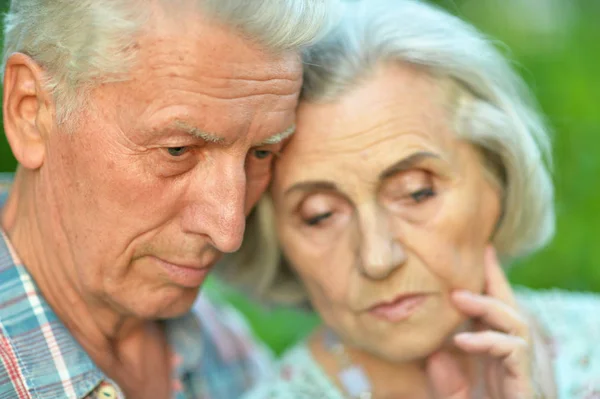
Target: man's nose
{"points": [[380, 252], [216, 204]]}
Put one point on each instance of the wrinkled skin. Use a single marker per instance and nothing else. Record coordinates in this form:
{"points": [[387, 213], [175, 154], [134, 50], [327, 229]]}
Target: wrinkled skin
{"points": [[120, 218], [375, 198]]}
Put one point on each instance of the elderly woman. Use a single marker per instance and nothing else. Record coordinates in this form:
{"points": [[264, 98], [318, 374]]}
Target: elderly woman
{"points": [[418, 157]]}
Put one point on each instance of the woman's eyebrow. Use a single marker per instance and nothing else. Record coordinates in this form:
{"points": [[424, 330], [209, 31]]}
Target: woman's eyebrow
{"points": [[406, 163], [311, 186]]}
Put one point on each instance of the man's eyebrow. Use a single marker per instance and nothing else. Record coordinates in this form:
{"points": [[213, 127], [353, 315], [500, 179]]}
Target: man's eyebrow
{"points": [[406, 164], [279, 137], [215, 138], [194, 131]]}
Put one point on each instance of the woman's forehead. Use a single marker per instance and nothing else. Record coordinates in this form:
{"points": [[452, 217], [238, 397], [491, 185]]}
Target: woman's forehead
{"points": [[359, 149], [391, 115], [394, 100]]}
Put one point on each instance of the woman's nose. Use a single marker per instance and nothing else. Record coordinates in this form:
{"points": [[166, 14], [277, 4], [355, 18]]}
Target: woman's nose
{"points": [[380, 251]]}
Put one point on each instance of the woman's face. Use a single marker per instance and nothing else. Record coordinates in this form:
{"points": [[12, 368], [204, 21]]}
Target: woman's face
{"points": [[383, 211]]}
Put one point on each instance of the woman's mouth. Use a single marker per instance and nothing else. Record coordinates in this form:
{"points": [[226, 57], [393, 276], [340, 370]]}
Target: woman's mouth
{"points": [[400, 308]]}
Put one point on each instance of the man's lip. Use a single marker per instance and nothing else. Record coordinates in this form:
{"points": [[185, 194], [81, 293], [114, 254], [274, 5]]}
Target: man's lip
{"points": [[190, 274], [195, 265]]}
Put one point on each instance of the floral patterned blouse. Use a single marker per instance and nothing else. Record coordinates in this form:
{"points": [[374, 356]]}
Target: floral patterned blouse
{"points": [[571, 321]]}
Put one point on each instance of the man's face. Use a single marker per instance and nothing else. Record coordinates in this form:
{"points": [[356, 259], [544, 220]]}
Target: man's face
{"points": [[155, 182]]}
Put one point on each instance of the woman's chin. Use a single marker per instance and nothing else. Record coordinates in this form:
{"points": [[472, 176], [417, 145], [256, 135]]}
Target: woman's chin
{"points": [[416, 343], [410, 349]]}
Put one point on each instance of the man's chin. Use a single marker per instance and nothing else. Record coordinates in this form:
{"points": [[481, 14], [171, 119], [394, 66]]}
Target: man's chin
{"points": [[171, 303]]}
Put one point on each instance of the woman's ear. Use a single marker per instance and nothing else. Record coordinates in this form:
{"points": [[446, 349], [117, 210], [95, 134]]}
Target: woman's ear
{"points": [[28, 110]]}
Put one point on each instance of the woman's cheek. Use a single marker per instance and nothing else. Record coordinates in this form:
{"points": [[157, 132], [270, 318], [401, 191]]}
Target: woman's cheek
{"points": [[469, 273], [324, 266], [453, 263]]}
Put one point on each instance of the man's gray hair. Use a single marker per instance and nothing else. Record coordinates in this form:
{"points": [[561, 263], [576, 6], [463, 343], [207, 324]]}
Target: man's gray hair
{"points": [[491, 108], [82, 43]]}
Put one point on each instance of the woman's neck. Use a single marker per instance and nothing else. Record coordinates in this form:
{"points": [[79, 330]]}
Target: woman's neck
{"points": [[387, 379]]}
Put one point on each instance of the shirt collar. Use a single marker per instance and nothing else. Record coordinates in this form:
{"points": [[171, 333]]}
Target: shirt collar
{"points": [[49, 358]]}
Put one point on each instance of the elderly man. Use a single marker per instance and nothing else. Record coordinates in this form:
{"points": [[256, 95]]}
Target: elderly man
{"points": [[144, 131]]}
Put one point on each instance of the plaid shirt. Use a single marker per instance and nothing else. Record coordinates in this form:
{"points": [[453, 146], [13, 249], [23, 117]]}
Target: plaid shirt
{"points": [[214, 354]]}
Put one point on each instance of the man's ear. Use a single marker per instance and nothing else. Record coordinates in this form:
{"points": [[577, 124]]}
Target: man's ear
{"points": [[28, 110]]}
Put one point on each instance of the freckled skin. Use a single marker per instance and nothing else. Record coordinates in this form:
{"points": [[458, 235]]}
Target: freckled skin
{"points": [[419, 230]]}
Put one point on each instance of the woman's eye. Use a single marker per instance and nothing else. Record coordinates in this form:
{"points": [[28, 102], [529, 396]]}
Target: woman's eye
{"points": [[177, 151], [422, 195], [262, 154], [318, 219]]}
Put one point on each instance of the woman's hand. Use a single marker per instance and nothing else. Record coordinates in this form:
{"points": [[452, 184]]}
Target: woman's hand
{"points": [[503, 339]]}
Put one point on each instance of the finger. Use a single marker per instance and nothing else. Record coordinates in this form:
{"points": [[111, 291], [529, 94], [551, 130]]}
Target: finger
{"points": [[497, 284], [447, 378], [513, 351], [493, 312]]}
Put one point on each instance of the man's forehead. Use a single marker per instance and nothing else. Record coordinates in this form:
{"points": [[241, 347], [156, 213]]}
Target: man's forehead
{"points": [[180, 36]]}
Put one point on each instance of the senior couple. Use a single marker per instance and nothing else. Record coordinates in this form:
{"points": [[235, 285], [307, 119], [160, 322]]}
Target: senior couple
{"points": [[395, 158]]}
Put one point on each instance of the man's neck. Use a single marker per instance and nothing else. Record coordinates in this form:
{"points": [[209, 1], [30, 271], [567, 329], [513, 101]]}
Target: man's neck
{"points": [[112, 340]]}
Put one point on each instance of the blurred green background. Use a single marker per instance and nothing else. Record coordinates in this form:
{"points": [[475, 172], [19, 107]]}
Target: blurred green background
{"points": [[555, 45]]}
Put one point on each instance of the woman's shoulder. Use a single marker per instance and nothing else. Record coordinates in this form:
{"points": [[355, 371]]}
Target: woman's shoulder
{"points": [[297, 376], [562, 312], [571, 322]]}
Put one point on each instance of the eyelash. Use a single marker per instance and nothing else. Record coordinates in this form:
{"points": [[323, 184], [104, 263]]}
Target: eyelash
{"points": [[422, 195], [317, 219], [418, 196], [184, 148], [271, 154]]}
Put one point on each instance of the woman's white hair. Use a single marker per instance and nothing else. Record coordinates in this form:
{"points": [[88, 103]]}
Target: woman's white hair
{"points": [[82, 43], [492, 109]]}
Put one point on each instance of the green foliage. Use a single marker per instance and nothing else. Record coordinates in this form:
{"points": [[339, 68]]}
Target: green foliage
{"points": [[560, 65]]}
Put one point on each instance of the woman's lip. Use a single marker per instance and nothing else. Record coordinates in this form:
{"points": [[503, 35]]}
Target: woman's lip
{"points": [[398, 309]]}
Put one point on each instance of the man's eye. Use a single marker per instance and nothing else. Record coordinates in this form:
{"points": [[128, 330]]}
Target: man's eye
{"points": [[422, 195], [262, 154], [177, 151], [318, 219]]}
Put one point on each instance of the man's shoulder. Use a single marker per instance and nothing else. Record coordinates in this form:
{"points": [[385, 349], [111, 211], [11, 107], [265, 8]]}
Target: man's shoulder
{"points": [[12, 381], [228, 330], [15, 381], [36, 349], [16, 315], [218, 350]]}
